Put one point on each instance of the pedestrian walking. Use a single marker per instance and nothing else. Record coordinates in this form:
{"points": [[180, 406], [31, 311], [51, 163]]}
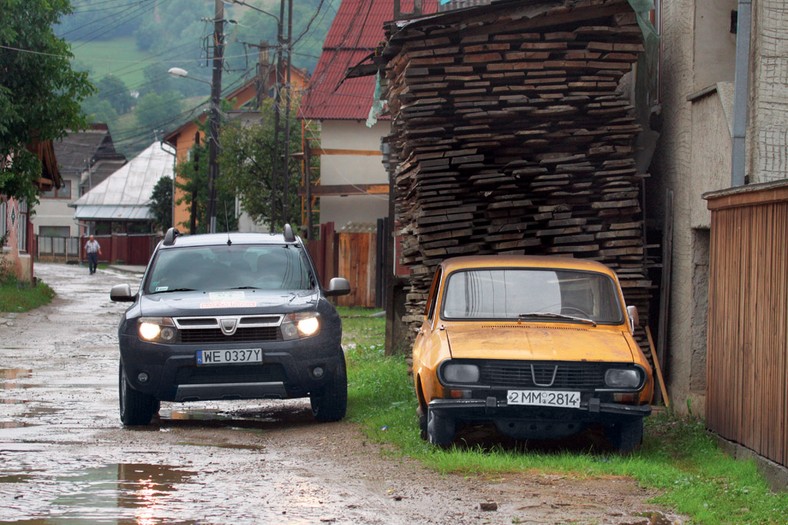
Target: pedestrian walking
{"points": [[93, 249]]}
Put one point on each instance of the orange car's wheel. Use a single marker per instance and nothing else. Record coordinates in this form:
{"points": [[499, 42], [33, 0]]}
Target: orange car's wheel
{"points": [[422, 413], [440, 429]]}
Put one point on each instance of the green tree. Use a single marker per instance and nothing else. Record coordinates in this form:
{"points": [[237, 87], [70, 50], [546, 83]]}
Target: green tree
{"points": [[99, 110], [193, 183], [114, 90], [251, 163], [40, 94], [161, 203], [154, 110]]}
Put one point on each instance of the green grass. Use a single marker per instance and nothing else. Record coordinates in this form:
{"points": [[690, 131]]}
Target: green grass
{"points": [[678, 456], [20, 297], [102, 57]]}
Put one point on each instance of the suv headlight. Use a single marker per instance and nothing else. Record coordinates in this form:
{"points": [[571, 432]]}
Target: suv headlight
{"points": [[300, 325], [156, 329], [460, 373], [622, 378]]}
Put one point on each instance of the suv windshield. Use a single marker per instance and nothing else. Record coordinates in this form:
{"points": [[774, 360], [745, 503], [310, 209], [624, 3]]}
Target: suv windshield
{"points": [[531, 294], [222, 267]]}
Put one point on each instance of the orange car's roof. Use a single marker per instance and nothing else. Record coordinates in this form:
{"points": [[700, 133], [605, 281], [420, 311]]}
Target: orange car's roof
{"points": [[524, 261]]}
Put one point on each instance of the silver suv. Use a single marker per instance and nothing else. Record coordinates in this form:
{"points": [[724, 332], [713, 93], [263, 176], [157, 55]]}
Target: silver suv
{"points": [[230, 316]]}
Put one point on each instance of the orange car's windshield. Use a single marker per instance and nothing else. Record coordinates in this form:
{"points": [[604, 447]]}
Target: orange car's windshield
{"points": [[520, 293]]}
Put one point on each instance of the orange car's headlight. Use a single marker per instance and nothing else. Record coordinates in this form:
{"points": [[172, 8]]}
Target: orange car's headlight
{"points": [[460, 373]]}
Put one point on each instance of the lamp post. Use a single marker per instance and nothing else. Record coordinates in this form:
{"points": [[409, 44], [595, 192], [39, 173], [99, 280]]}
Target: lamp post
{"points": [[213, 136]]}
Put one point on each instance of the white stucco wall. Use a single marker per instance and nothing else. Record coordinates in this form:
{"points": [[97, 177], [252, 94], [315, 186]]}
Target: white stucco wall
{"points": [[768, 129], [693, 155], [56, 212], [361, 164]]}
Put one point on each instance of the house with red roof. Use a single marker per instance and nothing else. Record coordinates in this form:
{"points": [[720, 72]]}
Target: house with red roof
{"points": [[353, 187]]}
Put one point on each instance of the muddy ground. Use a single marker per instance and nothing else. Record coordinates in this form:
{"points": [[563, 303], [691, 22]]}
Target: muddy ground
{"points": [[65, 458]]}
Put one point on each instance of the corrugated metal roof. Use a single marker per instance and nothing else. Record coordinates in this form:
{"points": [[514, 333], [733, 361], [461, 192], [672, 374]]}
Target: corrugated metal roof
{"points": [[355, 33], [128, 188], [118, 213]]}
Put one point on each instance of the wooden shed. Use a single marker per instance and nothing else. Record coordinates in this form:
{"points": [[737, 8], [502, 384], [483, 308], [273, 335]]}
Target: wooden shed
{"points": [[747, 360]]}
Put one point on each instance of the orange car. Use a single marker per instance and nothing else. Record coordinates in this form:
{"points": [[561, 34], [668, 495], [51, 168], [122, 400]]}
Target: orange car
{"points": [[540, 346]]}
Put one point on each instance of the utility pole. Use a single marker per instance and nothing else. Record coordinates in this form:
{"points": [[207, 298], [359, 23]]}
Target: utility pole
{"points": [[286, 173], [216, 93]]}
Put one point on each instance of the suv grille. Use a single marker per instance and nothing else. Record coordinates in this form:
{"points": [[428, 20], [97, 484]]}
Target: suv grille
{"points": [[241, 335], [229, 329], [518, 374]]}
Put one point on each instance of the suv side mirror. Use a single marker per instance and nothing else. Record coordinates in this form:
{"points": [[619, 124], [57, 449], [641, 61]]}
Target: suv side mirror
{"points": [[121, 293], [634, 319], [338, 286]]}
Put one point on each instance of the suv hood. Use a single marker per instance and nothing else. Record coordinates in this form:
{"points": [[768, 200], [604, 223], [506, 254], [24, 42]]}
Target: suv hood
{"points": [[231, 302], [539, 343]]}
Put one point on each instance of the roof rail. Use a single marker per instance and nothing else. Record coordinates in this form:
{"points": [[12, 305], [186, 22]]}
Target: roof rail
{"points": [[169, 237], [289, 235]]}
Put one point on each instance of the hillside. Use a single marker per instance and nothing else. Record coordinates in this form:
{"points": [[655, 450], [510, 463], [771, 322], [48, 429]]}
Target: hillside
{"points": [[127, 46]]}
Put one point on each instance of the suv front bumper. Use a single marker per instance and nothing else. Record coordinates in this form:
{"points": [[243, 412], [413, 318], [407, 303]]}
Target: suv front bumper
{"points": [[290, 369]]}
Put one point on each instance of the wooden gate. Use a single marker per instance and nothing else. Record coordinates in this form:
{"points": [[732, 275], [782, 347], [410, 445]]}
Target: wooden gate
{"points": [[747, 359]]}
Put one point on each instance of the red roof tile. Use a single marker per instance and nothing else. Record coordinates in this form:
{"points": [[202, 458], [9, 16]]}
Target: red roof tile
{"points": [[355, 33]]}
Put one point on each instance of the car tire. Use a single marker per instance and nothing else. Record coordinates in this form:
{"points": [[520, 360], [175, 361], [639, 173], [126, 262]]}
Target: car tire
{"points": [[626, 435], [330, 402], [440, 429], [422, 413], [136, 408]]}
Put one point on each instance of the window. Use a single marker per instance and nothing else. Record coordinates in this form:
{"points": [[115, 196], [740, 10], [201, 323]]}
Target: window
{"points": [[54, 231], [210, 268], [509, 293], [59, 193], [3, 215]]}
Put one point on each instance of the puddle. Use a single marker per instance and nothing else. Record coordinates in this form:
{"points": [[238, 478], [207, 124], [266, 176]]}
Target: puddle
{"points": [[15, 373], [127, 493], [656, 518], [13, 424]]}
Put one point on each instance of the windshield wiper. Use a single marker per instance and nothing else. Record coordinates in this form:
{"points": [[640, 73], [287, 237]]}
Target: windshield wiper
{"points": [[553, 315], [175, 290], [245, 288]]}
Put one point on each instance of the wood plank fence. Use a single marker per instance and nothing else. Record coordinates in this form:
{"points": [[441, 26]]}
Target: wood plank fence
{"points": [[747, 354], [352, 255]]}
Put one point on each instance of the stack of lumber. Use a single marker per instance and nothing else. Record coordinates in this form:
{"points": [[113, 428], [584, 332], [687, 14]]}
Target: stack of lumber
{"points": [[511, 133]]}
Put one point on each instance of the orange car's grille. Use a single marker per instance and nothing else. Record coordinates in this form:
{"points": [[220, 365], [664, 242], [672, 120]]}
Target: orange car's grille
{"points": [[557, 375]]}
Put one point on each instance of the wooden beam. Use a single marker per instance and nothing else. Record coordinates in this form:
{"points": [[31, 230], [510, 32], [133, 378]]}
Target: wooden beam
{"points": [[339, 190], [334, 151]]}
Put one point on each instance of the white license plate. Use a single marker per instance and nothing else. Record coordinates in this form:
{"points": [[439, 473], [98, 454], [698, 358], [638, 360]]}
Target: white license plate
{"points": [[223, 357], [547, 398]]}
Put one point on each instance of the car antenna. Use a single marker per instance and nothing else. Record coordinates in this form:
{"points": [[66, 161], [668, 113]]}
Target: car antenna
{"points": [[227, 224]]}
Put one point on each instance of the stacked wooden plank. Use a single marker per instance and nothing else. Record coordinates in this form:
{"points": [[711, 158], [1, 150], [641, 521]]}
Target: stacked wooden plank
{"points": [[512, 135]]}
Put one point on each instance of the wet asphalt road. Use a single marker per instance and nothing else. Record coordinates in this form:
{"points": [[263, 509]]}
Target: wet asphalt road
{"points": [[65, 458]]}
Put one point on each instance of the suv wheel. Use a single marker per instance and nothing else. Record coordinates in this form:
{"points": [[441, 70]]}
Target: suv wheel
{"points": [[440, 429], [626, 435], [330, 402], [136, 408]]}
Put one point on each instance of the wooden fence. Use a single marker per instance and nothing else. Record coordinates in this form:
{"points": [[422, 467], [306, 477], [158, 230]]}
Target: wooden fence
{"points": [[352, 255], [132, 249], [747, 360]]}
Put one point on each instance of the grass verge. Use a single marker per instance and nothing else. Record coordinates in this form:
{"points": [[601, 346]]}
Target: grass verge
{"points": [[678, 457], [16, 296]]}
